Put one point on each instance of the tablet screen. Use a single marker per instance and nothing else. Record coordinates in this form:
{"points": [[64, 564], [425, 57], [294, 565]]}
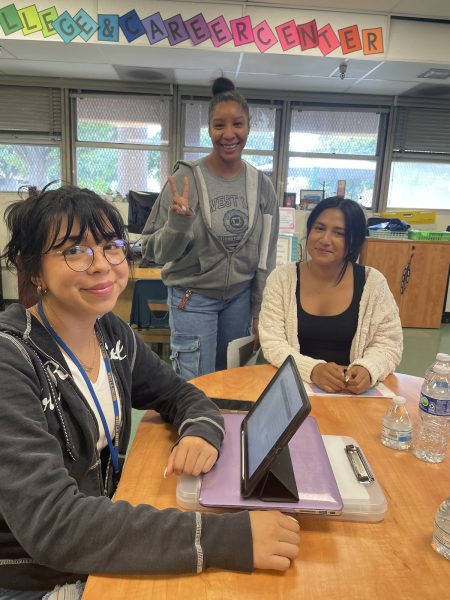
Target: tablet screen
{"points": [[278, 407]]}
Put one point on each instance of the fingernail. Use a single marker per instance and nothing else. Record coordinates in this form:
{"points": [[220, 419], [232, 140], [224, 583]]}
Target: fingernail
{"points": [[183, 209], [293, 518], [165, 473]]}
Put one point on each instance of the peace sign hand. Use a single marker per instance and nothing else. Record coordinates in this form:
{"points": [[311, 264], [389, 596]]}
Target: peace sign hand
{"points": [[180, 204]]}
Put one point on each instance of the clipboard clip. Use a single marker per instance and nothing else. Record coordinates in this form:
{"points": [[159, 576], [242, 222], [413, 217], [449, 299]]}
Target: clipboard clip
{"points": [[359, 465]]}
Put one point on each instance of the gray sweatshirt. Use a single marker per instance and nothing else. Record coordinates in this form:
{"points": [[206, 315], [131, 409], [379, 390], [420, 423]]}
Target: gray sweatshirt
{"points": [[195, 258]]}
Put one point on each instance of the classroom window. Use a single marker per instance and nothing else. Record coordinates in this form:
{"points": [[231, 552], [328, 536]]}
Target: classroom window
{"points": [[419, 184], [420, 169], [330, 145], [30, 136], [122, 143], [261, 142]]}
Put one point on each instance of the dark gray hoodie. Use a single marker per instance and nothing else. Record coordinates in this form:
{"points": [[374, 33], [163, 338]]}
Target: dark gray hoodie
{"points": [[57, 521]]}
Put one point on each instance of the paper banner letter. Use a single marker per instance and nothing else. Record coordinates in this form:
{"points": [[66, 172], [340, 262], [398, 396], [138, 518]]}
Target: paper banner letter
{"points": [[108, 28], [350, 40], [66, 27], [197, 29], [373, 40], [220, 32], [242, 31], [86, 23], [176, 31], [131, 25], [307, 34], [288, 35], [328, 40], [10, 20], [30, 19], [154, 28], [47, 16], [264, 36]]}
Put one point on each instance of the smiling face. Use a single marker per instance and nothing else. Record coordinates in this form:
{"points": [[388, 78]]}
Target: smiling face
{"points": [[80, 295], [228, 130], [326, 241]]}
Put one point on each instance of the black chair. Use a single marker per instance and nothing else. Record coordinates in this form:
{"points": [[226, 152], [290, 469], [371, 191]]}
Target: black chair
{"points": [[150, 312]]}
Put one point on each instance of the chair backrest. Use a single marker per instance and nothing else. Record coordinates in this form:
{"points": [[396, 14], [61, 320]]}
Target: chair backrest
{"points": [[149, 305]]}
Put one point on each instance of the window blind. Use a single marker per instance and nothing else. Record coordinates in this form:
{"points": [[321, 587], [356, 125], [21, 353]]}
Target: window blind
{"points": [[422, 130], [30, 110]]}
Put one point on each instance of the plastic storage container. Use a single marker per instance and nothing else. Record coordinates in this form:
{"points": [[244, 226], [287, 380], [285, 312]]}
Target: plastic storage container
{"points": [[429, 236], [363, 501]]}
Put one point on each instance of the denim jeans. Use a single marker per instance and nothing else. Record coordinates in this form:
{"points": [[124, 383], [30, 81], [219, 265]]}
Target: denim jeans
{"points": [[200, 333]]}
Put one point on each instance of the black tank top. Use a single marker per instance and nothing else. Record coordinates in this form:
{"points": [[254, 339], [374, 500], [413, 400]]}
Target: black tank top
{"points": [[330, 338]]}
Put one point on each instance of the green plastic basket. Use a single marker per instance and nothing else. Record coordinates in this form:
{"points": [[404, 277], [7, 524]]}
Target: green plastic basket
{"points": [[429, 236]]}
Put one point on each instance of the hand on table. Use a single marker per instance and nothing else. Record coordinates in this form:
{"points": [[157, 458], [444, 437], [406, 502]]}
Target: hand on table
{"points": [[180, 203], [357, 379], [191, 456], [329, 376], [276, 540]]}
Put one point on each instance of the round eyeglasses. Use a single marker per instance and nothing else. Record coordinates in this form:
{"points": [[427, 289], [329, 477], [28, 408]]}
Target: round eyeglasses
{"points": [[80, 257]]}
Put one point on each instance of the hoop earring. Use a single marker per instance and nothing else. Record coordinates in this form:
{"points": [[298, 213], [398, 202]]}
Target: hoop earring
{"points": [[41, 291]]}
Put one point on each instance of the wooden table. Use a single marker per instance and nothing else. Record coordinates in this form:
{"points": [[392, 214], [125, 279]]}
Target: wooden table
{"points": [[338, 559], [123, 304]]}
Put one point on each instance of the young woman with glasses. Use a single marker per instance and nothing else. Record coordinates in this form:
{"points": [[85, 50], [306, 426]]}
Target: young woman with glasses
{"points": [[70, 372]]}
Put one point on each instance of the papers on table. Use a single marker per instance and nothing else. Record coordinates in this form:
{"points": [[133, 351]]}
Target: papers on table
{"points": [[240, 352], [377, 391]]}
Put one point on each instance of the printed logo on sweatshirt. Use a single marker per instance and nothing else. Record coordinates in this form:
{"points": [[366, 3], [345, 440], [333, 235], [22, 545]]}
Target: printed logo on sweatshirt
{"points": [[116, 353], [47, 402], [235, 221]]}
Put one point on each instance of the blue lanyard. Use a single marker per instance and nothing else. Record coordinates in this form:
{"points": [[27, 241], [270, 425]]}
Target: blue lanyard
{"points": [[113, 447]]}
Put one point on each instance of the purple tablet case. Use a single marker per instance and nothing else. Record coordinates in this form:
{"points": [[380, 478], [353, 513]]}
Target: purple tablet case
{"points": [[317, 488]]}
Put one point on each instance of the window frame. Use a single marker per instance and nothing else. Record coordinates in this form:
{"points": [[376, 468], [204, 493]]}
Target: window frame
{"points": [[75, 143], [274, 154], [405, 110], [378, 157], [52, 106]]}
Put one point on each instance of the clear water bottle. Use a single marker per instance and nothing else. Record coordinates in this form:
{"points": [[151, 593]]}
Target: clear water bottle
{"points": [[441, 359], [430, 438], [396, 429], [441, 533]]}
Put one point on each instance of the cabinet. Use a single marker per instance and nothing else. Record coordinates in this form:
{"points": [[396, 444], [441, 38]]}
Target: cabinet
{"points": [[421, 296]]}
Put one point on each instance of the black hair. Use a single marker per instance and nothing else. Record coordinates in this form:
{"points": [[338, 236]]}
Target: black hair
{"points": [[223, 90], [355, 226], [35, 224]]}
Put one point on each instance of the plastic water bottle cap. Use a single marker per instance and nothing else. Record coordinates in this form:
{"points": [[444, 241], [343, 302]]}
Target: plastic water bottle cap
{"points": [[442, 357], [441, 369], [399, 400]]}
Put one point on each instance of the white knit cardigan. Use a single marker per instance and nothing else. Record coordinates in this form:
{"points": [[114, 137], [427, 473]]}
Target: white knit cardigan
{"points": [[378, 341]]}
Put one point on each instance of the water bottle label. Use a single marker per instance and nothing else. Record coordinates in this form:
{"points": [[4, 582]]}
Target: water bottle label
{"points": [[434, 406], [396, 435]]}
